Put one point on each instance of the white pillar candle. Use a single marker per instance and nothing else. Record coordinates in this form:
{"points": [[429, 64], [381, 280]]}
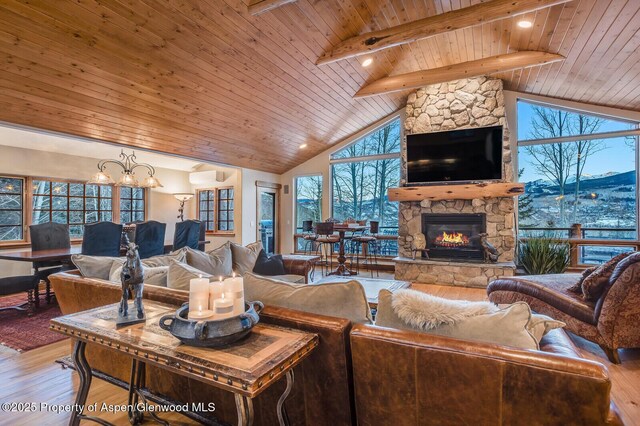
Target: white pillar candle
{"points": [[235, 286], [223, 307], [199, 298], [216, 288]]}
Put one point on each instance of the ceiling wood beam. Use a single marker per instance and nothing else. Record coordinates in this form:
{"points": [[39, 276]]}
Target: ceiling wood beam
{"points": [[431, 26], [260, 6], [492, 64]]}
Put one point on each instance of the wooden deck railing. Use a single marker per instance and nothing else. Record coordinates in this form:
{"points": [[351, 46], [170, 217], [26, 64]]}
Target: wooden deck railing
{"points": [[577, 240]]}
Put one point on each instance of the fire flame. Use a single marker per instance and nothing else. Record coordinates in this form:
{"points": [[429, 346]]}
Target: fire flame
{"points": [[452, 239]]}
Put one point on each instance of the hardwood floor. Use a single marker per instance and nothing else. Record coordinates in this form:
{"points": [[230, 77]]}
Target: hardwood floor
{"points": [[34, 377]]}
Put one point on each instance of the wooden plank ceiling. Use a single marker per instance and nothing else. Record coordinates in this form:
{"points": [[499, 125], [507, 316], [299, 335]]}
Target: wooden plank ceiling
{"points": [[207, 80]]}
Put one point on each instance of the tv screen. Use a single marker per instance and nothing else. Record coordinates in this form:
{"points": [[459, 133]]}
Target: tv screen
{"points": [[455, 156]]}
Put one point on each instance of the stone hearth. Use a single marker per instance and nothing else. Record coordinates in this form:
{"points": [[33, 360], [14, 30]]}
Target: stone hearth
{"points": [[475, 102]]}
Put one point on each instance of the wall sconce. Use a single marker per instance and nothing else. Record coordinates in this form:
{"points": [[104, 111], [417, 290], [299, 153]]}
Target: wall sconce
{"points": [[182, 197]]}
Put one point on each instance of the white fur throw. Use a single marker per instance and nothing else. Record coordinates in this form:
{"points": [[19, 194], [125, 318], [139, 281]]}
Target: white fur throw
{"points": [[427, 312]]}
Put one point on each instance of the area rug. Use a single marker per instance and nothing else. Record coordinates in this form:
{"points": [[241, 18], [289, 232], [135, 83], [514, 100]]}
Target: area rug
{"points": [[23, 333]]}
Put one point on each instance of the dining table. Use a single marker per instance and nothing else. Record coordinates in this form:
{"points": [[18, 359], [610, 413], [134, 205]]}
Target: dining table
{"points": [[342, 229], [62, 255]]}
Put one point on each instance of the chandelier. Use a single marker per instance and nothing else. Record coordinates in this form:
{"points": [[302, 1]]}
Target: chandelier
{"points": [[128, 164]]}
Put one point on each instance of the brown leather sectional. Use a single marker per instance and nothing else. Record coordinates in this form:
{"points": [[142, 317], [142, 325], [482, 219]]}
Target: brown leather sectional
{"points": [[369, 375]]}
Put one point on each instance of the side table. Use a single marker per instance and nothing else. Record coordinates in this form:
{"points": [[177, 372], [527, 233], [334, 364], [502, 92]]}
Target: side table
{"points": [[245, 368]]}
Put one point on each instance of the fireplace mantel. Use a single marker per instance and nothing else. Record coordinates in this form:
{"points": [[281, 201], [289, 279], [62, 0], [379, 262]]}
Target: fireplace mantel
{"points": [[456, 192]]}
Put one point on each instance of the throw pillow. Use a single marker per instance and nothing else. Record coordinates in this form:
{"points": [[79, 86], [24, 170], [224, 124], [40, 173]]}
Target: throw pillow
{"points": [[153, 275], [513, 325], [244, 258], [180, 275], [217, 262], [270, 266], [623, 265], [593, 286], [577, 287], [95, 266], [344, 299], [166, 259]]}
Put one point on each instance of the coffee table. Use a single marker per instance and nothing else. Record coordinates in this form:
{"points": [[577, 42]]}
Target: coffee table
{"points": [[372, 286], [245, 368]]}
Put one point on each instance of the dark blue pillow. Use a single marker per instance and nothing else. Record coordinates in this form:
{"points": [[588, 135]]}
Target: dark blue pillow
{"points": [[269, 265]]}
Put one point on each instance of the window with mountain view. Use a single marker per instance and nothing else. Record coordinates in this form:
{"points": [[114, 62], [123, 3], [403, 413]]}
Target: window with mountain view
{"points": [[576, 171], [308, 202], [362, 172]]}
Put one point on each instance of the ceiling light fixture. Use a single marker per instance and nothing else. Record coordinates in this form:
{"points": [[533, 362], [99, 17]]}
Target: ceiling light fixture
{"points": [[525, 24], [367, 62], [128, 164], [303, 146]]}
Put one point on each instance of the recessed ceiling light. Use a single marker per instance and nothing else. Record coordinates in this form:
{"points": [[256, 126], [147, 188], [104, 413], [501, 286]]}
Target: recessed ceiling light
{"points": [[367, 62], [303, 146], [525, 24]]}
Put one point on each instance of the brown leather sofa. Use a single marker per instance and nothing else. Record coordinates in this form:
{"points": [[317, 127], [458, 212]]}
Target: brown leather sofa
{"points": [[612, 321], [392, 377]]}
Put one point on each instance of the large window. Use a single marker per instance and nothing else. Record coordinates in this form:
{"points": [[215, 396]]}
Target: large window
{"points": [[225, 209], [74, 203], [308, 202], [361, 174], [576, 171], [206, 209], [132, 204], [216, 209], [54, 200], [11, 198]]}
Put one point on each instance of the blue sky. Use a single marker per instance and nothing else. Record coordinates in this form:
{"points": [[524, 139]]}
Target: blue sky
{"points": [[617, 156]]}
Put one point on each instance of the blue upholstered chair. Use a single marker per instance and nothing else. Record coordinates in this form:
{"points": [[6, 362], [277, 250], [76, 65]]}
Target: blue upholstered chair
{"points": [[49, 236], [150, 238], [187, 234], [13, 285], [102, 239]]}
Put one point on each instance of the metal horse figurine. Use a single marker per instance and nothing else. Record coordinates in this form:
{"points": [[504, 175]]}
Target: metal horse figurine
{"points": [[132, 277], [490, 252]]}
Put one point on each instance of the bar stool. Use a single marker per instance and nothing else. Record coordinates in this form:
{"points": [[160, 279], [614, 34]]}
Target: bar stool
{"points": [[325, 241], [369, 243], [308, 236]]}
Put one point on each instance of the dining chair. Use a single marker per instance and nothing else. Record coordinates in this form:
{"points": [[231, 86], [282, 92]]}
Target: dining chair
{"points": [[102, 239], [149, 237], [49, 236], [202, 236], [369, 245], [308, 236], [325, 242], [187, 234], [17, 284]]}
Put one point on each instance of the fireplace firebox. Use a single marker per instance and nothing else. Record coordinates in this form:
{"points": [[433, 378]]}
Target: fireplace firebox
{"points": [[454, 236]]}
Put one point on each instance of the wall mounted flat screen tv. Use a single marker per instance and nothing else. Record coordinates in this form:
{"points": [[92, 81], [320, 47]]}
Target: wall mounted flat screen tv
{"points": [[465, 155]]}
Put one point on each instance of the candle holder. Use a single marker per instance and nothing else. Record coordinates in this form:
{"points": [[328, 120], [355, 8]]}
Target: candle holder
{"points": [[211, 333]]}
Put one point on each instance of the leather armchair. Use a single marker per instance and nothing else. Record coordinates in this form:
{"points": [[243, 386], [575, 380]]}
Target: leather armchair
{"points": [[613, 321]]}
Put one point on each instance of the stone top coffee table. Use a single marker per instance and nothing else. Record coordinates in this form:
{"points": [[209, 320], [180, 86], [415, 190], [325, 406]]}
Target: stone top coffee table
{"points": [[372, 286]]}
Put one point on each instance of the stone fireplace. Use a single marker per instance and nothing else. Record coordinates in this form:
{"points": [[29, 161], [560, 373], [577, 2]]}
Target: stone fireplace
{"points": [[475, 102], [454, 236]]}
